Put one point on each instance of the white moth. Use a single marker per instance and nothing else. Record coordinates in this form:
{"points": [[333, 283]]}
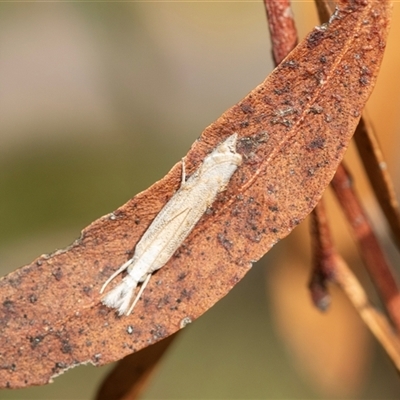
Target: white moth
{"points": [[173, 224]]}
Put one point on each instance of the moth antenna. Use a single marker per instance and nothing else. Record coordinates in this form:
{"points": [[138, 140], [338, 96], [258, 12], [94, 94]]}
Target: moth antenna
{"points": [[120, 296]]}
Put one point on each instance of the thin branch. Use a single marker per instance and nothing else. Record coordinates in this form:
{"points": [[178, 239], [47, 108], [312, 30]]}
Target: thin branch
{"points": [[323, 250], [131, 375], [375, 320], [375, 167], [282, 28], [370, 249], [329, 266]]}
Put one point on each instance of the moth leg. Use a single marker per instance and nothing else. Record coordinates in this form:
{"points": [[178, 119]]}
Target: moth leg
{"points": [[183, 181], [144, 284], [123, 267]]}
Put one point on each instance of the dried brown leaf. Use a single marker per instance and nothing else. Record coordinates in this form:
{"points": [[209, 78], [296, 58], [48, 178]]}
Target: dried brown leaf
{"points": [[371, 155], [284, 39], [293, 129]]}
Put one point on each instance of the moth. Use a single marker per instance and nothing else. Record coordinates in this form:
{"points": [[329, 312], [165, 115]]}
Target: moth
{"points": [[173, 224]]}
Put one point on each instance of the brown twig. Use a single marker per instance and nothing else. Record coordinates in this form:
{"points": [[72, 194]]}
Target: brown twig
{"points": [[375, 167], [375, 320], [131, 375], [281, 27], [329, 266], [371, 252], [323, 250]]}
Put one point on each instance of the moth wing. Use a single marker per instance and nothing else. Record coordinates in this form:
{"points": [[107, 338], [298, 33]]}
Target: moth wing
{"points": [[164, 233]]}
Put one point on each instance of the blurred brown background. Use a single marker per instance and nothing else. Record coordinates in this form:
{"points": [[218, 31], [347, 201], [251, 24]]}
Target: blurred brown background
{"points": [[97, 102]]}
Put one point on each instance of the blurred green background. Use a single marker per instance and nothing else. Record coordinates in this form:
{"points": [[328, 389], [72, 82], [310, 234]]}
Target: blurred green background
{"points": [[97, 102]]}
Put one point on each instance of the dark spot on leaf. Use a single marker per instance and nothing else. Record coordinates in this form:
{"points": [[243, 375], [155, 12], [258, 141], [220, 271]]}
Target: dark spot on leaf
{"points": [[227, 244], [315, 38], [283, 90], [282, 121], [59, 365], [159, 332], [291, 64], [8, 304], [15, 282], [66, 348], [310, 172], [119, 213], [185, 294], [246, 108], [317, 143], [35, 341], [364, 80], [104, 311], [316, 109], [58, 274], [182, 276], [87, 290], [32, 298]]}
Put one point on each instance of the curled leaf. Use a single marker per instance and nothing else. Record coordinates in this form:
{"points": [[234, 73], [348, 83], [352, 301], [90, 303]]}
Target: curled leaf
{"points": [[293, 130]]}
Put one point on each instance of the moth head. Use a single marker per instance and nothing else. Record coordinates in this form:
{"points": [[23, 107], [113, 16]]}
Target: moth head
{"points": [[228, 145], [225, 152]]}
